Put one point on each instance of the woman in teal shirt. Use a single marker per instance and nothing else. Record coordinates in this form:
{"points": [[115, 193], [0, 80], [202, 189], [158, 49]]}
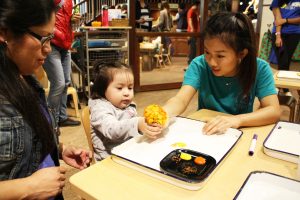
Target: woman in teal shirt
{"points": [[228, 77]]}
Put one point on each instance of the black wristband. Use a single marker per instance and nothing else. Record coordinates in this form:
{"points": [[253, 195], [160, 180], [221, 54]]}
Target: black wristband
{"points": [[286, 20]]}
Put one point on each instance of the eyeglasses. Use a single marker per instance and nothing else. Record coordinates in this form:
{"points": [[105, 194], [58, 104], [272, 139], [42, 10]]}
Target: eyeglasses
{"points": [[42, 39]]}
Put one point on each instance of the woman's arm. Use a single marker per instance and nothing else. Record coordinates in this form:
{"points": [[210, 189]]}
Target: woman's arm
{"points": [[43, 184], [171, 20], [177, 104], [282, 21], [190, 24], [6, 188], [277, 16], [268, 113], [161, 21]]}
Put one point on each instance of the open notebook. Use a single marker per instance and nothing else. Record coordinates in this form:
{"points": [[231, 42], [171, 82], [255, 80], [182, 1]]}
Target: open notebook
{"points": [[145, 155]]}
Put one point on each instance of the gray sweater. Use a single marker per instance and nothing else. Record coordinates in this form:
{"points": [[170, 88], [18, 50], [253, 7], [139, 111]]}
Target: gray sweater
{"points": [[111, 126]]}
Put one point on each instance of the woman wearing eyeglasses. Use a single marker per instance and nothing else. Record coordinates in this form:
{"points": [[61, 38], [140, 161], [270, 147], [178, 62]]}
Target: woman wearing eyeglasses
{"points": [[29, 147]]}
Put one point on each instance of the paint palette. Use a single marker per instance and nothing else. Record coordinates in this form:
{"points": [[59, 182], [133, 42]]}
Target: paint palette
{"points": [[188, 165]]}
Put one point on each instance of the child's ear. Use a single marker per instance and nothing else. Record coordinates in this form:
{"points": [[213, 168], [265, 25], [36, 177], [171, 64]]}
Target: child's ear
{"points": [[243, 54]]}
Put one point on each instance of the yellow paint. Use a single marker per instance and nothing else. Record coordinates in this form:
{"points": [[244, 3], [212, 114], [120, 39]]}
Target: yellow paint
{"points": [[185, 156], [179, 144]]}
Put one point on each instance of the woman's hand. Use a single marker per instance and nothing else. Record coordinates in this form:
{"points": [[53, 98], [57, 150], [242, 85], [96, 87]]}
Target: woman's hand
{"points": [[278, 41], [279, 22], [141, 21], [220, 124], [78, 158], [76, 17], [46, 182], [150, 131]]}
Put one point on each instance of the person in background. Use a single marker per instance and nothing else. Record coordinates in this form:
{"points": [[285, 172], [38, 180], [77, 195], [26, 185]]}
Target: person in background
{"points": [[113, 113], [253, 5], [142, 15], [193, 27], [285, 33], [58, 63], [118, 6], [181, 18], [216, 6], [29, 146], [165, 23], [165, 18], [228, 77], [124, 11], [252, 9]]}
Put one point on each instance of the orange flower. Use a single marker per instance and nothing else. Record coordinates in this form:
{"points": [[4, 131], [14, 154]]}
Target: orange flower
{"points": [[155, 114]]}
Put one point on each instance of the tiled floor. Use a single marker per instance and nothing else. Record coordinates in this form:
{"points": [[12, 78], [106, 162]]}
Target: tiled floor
{"points": [[169, 73], [76, 136]]}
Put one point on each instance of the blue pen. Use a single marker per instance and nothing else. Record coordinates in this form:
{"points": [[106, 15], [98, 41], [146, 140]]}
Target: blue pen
{"points": [[253, 144]]}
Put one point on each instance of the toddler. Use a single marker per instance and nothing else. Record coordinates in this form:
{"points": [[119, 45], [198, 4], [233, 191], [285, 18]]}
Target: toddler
{"points": [[113, 113]]}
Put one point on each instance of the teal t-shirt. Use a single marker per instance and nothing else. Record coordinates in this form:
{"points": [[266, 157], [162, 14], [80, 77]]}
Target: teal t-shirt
{"points": [[223, 93]]}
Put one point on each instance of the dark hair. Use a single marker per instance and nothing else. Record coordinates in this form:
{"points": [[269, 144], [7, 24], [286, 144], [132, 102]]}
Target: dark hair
{"points": [[124, 7], [181, 6], [282, 2], [196, 2], [236, 31], [165, 4], [104, 74], [17, 16]]}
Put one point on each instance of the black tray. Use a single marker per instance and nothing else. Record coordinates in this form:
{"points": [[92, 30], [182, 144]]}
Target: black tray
{"points": [[187, 170]]}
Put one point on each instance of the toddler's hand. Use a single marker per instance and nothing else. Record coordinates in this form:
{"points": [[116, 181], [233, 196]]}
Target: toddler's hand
{"points": [[151, 131]]}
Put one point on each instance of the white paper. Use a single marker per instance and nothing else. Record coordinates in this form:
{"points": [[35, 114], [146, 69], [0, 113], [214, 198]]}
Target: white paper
{"points": [[114, 14], [288, 74], [285, 137], [149, 153], [266, 186]]}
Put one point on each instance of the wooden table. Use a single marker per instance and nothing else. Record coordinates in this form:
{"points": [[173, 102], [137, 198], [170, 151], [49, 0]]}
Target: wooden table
{"points": [[147, 51], [290, 84], [109, 180]]}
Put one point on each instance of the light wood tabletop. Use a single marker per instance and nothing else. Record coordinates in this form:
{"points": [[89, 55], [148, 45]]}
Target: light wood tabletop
{"points": [[109, 180], [290, 84], [284, 83], [147, 46]]}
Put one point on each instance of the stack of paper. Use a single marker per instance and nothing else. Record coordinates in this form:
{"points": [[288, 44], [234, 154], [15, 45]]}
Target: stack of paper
{"points": [[284, 142], [294, 75]]}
